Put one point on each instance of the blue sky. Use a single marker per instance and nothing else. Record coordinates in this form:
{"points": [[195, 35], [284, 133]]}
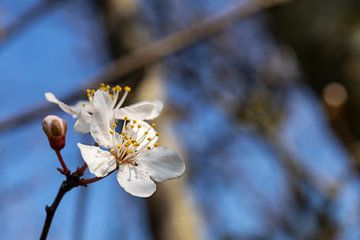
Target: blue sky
{"points": [[235, 185]]}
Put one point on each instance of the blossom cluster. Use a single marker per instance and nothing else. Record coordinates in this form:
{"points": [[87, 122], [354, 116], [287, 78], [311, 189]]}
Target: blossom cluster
{"points": [[125, 141]]}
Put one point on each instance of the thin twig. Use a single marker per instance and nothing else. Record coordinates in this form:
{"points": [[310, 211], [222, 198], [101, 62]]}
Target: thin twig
{"points": [[150, 54], [62, 162], [65, 186], [72, 181]]}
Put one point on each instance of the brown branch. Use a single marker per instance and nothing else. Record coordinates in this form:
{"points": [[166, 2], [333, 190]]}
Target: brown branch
{"points": [[67, 185], [150, 54]]}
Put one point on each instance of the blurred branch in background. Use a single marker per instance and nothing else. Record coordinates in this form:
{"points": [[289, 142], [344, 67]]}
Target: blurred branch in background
{"points": [[150, 54], [28, 18]]}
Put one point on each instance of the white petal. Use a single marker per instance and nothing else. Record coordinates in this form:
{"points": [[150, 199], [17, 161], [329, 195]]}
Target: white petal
{"points": [[66, 108], [83, 106], [102, 99], [162, 163], [135, 181], [140, 111], [100, 162], [82, 124], [102, 119]]}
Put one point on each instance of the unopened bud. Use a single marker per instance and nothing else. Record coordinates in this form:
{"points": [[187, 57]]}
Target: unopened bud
{"points": [[55, 129]]}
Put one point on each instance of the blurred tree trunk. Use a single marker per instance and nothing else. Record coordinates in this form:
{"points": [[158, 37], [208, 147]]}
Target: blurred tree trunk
{"points": [[170, 212]]}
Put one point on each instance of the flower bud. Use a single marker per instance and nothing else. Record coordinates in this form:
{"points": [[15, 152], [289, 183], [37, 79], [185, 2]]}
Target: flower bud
{"points": [[55, 129]]}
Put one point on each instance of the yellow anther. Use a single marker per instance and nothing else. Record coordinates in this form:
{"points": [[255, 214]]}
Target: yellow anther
{"points": [[119, 145], [139, 126], [132, 126], [114, 125], [126, 118], [123, 134], [83, 105], [88, 91], [113, 89], [156, 144], [126, 128], [111, 131], [127, 89], [146, 133], [148, 147], [149, 138], [153, 125], [130, 151], [118, 88], [102, 85], [157, 134], [134, 121], [92, 91]]}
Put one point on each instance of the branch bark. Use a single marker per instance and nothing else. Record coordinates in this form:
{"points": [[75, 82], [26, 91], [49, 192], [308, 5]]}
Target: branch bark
{"points": [[66, 186]]}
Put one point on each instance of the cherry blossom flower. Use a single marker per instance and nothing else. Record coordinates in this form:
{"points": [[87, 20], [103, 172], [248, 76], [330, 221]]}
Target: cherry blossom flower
{"points": [[110, 99], [135, 154]]}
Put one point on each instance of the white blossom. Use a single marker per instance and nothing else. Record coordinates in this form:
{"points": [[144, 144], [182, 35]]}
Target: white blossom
{"points": [[134, 153], [112, 101]]}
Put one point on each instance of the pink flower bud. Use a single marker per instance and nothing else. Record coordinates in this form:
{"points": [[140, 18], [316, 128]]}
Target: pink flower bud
{"points": [[55, 129]]}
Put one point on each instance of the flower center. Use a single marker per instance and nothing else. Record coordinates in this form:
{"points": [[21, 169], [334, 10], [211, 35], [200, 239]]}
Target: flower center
{"points": [[135, 138]]}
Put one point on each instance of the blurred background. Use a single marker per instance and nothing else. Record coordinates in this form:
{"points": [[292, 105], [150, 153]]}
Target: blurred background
{"points": [[263, 105]]}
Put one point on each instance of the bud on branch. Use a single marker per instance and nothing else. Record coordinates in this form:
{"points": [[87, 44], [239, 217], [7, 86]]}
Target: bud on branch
{"points": [[55, 129]]}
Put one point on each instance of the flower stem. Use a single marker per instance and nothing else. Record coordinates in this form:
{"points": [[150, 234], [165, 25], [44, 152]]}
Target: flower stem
{"points": [[85, 182], [62, 162]]}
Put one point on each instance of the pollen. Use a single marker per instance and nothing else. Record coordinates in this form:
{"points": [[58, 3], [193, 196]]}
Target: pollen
{"points": [[149, 138], [111, 131], [127, 89], [126, 118], [146, 133], [148, 147], [114, 125], [139, 126], [132, 126], [157, 134], [156, 144], [134, 121], [153, 125]]}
